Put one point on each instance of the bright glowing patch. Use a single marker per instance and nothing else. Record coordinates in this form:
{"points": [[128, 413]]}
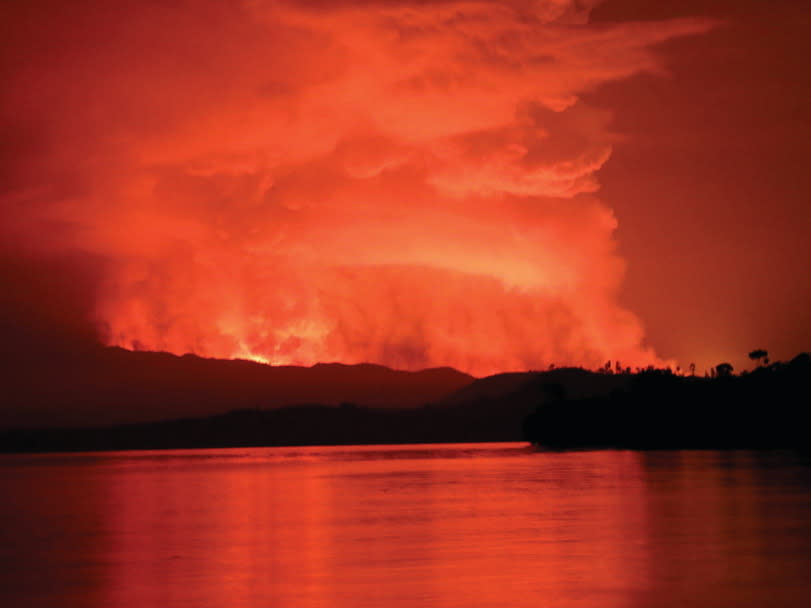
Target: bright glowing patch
{"points": [[294, 182]]}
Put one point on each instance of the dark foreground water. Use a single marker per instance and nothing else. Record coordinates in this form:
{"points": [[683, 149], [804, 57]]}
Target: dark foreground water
{"points": [[432, 526]]}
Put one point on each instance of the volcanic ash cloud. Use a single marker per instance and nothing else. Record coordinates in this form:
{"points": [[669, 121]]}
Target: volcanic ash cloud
{"points": [[409, 183]]}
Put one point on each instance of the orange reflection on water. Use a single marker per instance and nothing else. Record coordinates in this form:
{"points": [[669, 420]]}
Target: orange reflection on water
{"points": [[404, 526]]}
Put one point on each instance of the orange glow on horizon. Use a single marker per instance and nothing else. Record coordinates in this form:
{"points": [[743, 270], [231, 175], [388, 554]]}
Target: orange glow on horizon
{"points": [[291, 182]]}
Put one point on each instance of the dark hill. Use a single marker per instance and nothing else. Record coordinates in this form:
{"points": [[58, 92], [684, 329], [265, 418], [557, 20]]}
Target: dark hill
{"points": [[577, 383], [104, 386], [657, 409], [490, 409], [501, 403]]}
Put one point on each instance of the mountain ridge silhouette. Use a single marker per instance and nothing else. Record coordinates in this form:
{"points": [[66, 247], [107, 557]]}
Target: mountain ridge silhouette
{"points": [[111, 385]]}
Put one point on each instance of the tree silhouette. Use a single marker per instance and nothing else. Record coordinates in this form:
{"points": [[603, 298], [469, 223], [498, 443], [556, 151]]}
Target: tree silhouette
{"points": [[722, 370], [757, 355]]}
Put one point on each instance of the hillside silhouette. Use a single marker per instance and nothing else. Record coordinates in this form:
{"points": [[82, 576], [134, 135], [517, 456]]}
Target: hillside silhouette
{"points": [[764, 408], [201, 403], [107, 386], [321, 405]]}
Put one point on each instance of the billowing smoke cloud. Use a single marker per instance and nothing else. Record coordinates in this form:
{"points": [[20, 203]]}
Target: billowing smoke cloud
{"points": [[402, 182]]}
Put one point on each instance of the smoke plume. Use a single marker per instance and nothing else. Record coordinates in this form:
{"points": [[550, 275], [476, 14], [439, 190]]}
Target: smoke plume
{"points": [[404, 182]]}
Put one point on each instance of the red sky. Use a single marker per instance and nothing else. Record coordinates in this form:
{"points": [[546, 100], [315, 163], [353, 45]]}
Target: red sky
{"points": [[490, 185], [710, 186]]}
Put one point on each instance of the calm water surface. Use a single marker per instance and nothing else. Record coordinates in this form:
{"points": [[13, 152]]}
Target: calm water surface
{"points": [[435, 526]]}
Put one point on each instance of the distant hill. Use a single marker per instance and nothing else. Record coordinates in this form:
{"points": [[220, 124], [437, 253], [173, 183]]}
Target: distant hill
{"points": [[489, 409], [565, 408], [106, 386], [577, 383], [503, 401], [301, 425]]}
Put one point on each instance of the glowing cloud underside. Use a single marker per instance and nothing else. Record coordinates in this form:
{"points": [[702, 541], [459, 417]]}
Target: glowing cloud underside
{"points": [[409, 183]]}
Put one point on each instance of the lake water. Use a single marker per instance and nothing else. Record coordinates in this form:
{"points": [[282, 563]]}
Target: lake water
{"points": [[378, 526]]}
